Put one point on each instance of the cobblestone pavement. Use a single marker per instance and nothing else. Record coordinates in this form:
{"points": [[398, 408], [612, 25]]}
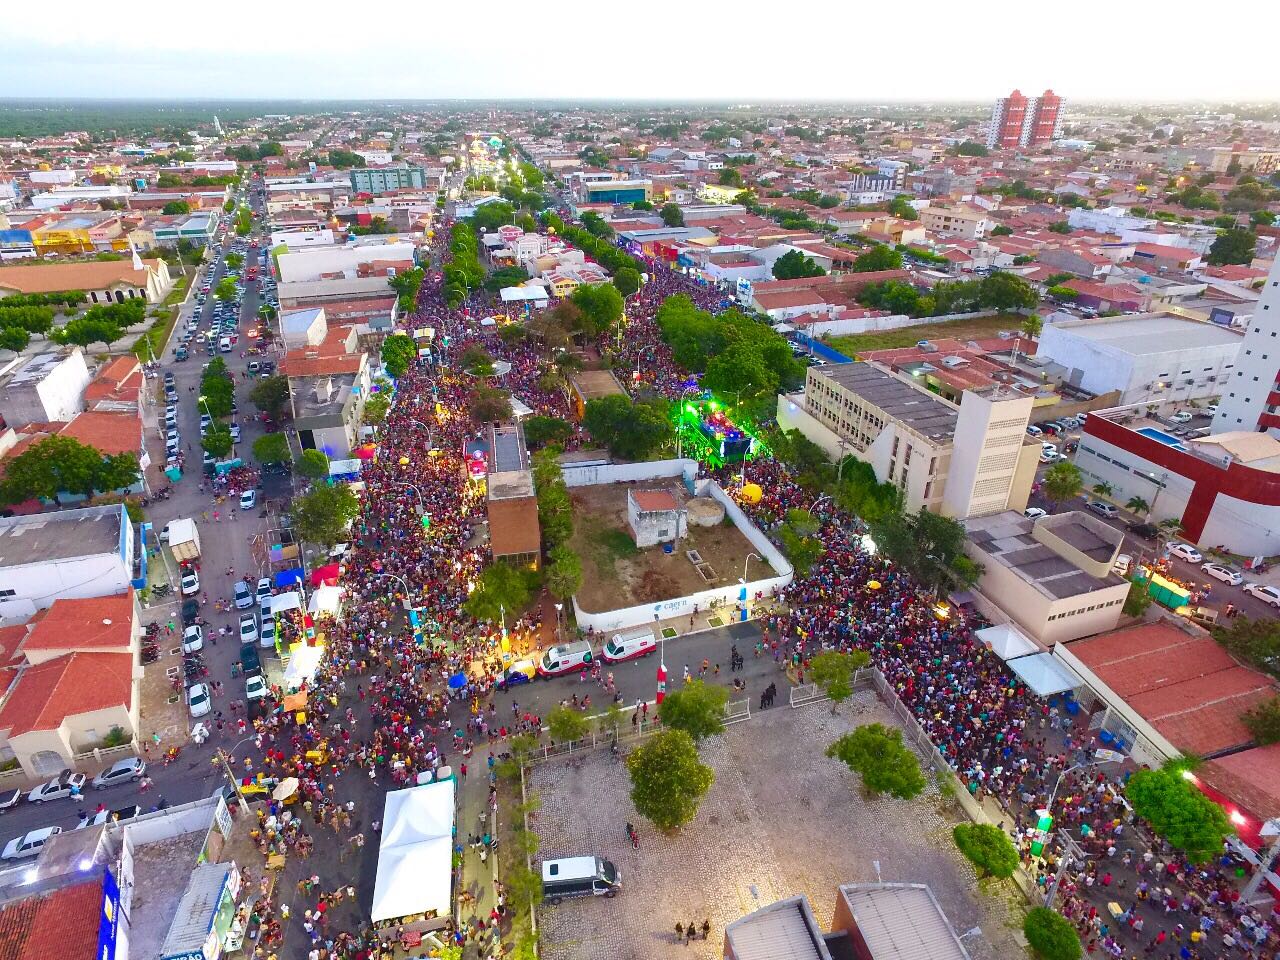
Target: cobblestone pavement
{"points": [[781, 819]]}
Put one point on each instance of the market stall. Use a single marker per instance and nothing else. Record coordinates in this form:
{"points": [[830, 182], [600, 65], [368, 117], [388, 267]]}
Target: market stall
{"points": [[414, 884]]}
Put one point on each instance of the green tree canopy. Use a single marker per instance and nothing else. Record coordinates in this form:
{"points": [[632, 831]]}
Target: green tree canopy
{"points": [[668, 781], [488, 404], [313, 464], [794, 264], [1050, 935], [695, 708], [627, 280], [85, 330], [672, 215], [502, 591], [1263, 721], [323, 514], [876, 753], [563, 572], [988, 848], [217, 440], [271, 396], [271, 448], [1062, 482], [14, 338], [601, 306], [930, 547], [397, 351], [1179, 812], [1254, 640], [540, 430], [1233, 246], [833, 670], [878, 257], [566, 724], [631, 431], [61, 464]]}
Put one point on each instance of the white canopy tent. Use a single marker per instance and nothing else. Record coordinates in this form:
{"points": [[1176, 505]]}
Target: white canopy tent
{"points": [[325, 599], [1006, 641], [415, 858], [1045, 674], [303, 663]]}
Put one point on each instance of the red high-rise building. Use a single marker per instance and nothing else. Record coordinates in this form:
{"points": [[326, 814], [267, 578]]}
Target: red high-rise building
{"points": [[1018, 121]]}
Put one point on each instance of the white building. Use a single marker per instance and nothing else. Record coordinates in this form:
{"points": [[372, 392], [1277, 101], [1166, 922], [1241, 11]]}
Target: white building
{"points": [[48, 388], [309, 265], [60, 195], [302, 239], [69, 554], [654, 517], [1251, 396], [1151, 357]]}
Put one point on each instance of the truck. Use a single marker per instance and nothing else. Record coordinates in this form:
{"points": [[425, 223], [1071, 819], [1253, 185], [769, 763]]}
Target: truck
{"points": [[184, 539]]}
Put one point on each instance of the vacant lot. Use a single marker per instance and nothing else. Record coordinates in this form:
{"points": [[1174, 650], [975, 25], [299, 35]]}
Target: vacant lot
{"points": [[907, 336], [781, 819], [616, 574]]}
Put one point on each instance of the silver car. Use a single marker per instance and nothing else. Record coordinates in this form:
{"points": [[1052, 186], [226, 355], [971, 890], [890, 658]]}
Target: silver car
{"points": [[129, 770]]}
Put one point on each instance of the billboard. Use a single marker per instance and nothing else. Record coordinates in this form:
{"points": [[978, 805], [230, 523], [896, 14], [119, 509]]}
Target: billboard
{"points": [[109, 918]]}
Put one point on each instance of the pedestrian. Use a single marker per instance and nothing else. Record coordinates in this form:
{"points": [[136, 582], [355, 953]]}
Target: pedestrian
{"points": [[679, 931], [706, 928]]}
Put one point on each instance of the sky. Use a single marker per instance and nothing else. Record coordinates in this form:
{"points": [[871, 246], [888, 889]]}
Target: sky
{"points": [[937, 50]]}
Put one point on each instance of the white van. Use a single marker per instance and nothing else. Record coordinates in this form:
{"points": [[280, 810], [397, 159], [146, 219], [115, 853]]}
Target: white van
{"points": [[225, 344], [565, 659], [628, 646], [579, 877]]}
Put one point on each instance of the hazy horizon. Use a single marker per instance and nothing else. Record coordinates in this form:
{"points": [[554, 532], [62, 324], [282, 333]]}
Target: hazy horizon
{"points": [[1090, 52]]}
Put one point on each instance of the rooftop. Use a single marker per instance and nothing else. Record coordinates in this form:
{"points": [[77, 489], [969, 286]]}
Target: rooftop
{"points": [[594, 384], [37, 368], [785, 930], [76, 275], [654, 501], [902, 921], [918, 409], [47, 693], [54, 924], [1006, 539], [86, 624], [60, 536], [1149, 333], [109, 432], [1185, 685], [508, 453]]}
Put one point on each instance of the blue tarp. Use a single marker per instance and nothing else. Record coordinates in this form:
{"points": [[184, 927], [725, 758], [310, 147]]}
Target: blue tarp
{"points": [[286, 577]]}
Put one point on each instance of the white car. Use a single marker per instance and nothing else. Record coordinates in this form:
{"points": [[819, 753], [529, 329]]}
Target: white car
{"points": [[244, 599], [1211, 409], [1121, 564], [1034, 513], [248, 499], [198, 701], [1182, 416], [57, 788], [1224, 573], [19, 848], [263, 590], [1184, 551], [193, 638], [190, 583], [255, 688], [235, 433], [1267, 594], [248, 628], [267, 635]]}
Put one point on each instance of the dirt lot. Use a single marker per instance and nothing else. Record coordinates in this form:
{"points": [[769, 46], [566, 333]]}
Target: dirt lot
{"points": [[616, 574], [781, 819], [908, 336]]}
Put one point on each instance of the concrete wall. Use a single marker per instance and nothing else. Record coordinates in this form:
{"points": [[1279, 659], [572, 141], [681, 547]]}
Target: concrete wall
{"points": [[793, 416], [624, 472], [649, 613], [39, 584]]}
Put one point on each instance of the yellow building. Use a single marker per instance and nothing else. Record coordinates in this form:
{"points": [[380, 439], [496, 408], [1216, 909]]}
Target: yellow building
{"points": [[65, 236]]}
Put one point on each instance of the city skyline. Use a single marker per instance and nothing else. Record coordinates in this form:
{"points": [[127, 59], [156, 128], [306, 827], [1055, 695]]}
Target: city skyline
{"points": [[441, 53]]}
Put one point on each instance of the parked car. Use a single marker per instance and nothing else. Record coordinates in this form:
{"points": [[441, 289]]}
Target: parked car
{"points": [[190, 583], [1034, 513], [59, 788], [1103, 509], [248, 628], [29, 844], [10, 799], [1184, 551], [255, 688], [198, 701], [190, 610], [244, 597], [1220, 571], [1182, 416], [263, 589], [1121, 564], [1145, 530], [248, 499], [267, 632], [1267, 594], [1034, 431], [522, 671], [128, 770], [193, 639], [250, 662], [111, 816]]}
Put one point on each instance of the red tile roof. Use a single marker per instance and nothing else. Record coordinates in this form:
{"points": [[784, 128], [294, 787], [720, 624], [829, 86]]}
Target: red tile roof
{"points": [[1187, 687], [1251, 778], [297, 364], [56, 925], [47, 693], [82, 624], [108, 432], [653, 501]]}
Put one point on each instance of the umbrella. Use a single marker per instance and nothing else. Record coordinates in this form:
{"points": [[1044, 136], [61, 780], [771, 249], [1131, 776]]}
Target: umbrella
{"points": [[874, 584], [285, 788], [457, 681]]}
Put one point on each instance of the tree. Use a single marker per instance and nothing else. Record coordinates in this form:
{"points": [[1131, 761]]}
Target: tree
{"points": [[540, 430], [1257, 641], [397, 351], [503, 591], [271, 396], [313, 464], [627, 280], [879, 257], [672, 215], [1263, 721], [234, 261], [928, 546], [376, 408], [488, 404], [85, 330], [1102, 489], [61, 464], [1063, 293], [631, 431], [1050, 935], [564, 572], [225, 290], [1233, 246], [1179, 812], [988, 848], [505, 277], [1138, 505], [271, 448], [175, 208], [729, 177], [695, 708], [1136, 600], [217, 440], [324, 514], [1001, 230], [833, 670], [794, 264], [1006, 291], [566, 724], [799, 545], [14, 338], [1062, 482], [876, 753], [601, 306], [668, 781], [1033, 325]]}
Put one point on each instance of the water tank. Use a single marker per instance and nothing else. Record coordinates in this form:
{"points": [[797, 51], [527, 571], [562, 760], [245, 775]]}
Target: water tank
{"points": [[704, 512]]}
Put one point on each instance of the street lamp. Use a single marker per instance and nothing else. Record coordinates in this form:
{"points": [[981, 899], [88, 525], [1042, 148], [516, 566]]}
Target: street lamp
{"points": [[747, 561], [225, 757], [431, 434], [418, 493]]}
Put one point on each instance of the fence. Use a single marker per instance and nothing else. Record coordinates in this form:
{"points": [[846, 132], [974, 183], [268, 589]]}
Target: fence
{"points": [[736, 711], [804, 694]]}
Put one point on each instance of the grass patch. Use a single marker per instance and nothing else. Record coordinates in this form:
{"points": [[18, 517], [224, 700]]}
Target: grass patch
{"points": [[607, 545], [856, 343], [151, 344]]}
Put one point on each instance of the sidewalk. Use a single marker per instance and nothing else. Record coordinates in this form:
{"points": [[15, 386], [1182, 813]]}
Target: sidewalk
{"points": [[475, 818]]}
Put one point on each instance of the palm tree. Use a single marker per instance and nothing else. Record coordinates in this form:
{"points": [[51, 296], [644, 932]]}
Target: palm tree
{"points": [[1139, 506], [1102, 489], [1061, 482]]}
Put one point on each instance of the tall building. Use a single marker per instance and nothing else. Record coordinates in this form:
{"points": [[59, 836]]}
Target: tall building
{"points": [[1018, 121], [377, 180], [1250, 398]]}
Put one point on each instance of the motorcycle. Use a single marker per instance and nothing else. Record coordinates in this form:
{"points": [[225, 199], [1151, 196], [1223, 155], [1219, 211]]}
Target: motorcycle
{"points": [[161, 590], [171, 755]]}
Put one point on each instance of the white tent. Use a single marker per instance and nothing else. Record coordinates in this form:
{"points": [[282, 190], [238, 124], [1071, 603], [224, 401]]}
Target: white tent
{"points": [[283, 602], [325, 599], [415, 858], [1045, 674], [303, 663], [1006, 641]]}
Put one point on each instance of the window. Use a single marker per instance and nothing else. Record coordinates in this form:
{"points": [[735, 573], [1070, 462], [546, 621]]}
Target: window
{"points": [[5, 594]]}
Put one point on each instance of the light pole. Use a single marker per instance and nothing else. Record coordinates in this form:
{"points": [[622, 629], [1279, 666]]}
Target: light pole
{"points": [[225, 757], [814, 505], [418, 493], [747, 561], [431, 434], [559, 607], [1099, 757]]}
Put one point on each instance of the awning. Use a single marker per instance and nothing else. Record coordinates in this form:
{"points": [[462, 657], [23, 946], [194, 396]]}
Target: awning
{"points": [[303, 663], [286, 577], [1007, 641], [415, 857], [286, 601], [326, 574], [325, 600], [1044, 674], [519, 408]]}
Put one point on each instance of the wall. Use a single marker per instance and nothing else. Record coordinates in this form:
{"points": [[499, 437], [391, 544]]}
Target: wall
{"points": [[39, 584], [793, 416], [624, 472], [705, 599]]}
